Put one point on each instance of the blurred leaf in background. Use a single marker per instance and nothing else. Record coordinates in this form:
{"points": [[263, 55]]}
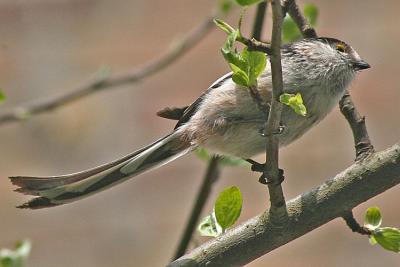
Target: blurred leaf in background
{"points": [[16, 257], [203, 154], [290, 31], [247, 2], [225, 6], [2, 96]]}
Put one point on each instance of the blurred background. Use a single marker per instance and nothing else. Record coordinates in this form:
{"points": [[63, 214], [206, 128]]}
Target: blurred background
{"points": [[47, 47]]}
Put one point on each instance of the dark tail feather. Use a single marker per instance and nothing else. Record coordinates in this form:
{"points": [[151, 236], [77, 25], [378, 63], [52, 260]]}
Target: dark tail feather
{"points": [[58, 190]]}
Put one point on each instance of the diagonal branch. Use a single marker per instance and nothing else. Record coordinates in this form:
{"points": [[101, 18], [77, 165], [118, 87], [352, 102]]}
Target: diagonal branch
{"points": [[88, 88], [259, 235]]}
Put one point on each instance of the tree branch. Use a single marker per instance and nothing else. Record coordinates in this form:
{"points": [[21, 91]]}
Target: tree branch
{"points": [[330, 200], [272, 124], [88, 88], [210, 178]]}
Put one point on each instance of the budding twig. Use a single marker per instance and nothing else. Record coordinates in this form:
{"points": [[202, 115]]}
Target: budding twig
{"points": [[351, 222]]}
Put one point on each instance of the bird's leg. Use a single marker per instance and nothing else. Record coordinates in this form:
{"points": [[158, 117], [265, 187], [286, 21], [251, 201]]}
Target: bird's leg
{"points": [[255, 166], [259, 167]]}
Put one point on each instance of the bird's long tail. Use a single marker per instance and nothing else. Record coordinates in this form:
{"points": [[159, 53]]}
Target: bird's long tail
{"points": [[58, 190]]}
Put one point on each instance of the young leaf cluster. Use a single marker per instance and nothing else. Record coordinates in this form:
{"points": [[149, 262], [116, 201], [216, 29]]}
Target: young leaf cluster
{"points": [[227, 209], [16, 257], [387, 237], [295, 102], [247, 65]]}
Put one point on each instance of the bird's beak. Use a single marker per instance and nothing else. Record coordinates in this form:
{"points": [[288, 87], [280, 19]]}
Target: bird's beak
{"points": [[361, 65]]}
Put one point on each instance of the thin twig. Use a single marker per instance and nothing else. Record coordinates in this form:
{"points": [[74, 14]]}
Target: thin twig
{"points": [[259, 20], [210, 178], [291, 7], [88, 88], [261, 104], [351, 222], [254, 44], [271, 171], [362, 142]]}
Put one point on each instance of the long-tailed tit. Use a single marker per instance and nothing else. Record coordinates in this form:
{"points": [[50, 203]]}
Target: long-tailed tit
{"points": [[225, 119]]}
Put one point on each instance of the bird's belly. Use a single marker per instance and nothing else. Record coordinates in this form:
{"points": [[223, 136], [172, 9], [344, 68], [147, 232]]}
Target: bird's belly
{"points": [[244, 140]]}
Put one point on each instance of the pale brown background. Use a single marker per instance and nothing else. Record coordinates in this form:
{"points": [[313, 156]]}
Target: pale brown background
{"points": [[48, 46]]}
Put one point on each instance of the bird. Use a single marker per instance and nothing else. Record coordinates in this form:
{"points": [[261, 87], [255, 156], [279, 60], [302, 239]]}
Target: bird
{"points": [[225, 119]]}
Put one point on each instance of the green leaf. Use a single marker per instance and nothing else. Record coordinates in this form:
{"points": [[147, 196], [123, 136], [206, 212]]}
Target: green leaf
{"points": [[388, 238], [257, 62], [224, 26], [228, 206], [2, 96], [290, 31], [295, 102], [373, 218], [372, 240], [209, 227], [230, 55], [225, 6], [203, 154], [246, 66], [247, 2], [311, 13], [17, 257], [239, 76]]}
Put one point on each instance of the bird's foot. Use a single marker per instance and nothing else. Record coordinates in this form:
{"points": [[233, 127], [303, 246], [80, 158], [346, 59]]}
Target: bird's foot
{"points": [[259, 167], [278, 131]]}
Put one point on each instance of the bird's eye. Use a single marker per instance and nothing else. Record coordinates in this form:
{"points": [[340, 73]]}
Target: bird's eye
{"points": [[341, 48]]}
